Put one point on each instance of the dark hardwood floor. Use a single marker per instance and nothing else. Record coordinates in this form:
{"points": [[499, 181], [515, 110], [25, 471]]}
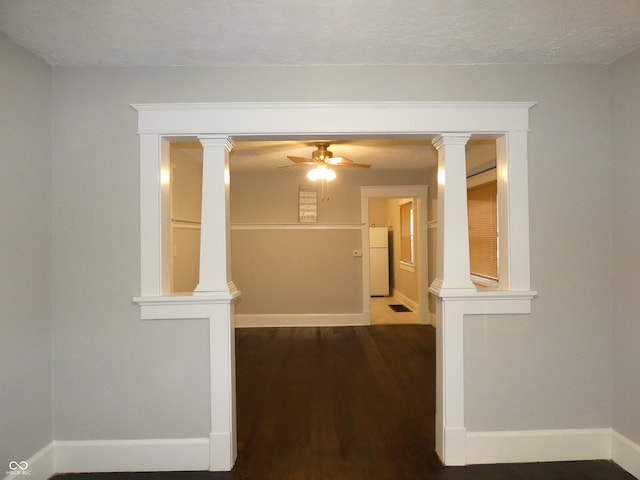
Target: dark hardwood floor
{"points": [[347, 403]]}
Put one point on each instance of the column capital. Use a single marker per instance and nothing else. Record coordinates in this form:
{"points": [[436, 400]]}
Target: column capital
{"points": [[216, 141], [450, 139]]}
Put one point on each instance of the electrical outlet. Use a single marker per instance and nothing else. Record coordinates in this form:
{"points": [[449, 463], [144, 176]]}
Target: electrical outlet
{"points": [[357, 253]]}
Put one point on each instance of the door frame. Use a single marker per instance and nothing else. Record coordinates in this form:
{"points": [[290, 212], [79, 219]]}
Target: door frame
{"points": [[420, 193]]}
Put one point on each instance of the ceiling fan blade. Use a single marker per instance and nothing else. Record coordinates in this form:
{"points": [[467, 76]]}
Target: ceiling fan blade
{"points": [[338, 160], [298, 165], [301, 160], [360, 165]]}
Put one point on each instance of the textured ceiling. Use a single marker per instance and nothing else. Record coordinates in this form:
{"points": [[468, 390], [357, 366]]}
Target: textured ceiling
{"points": [[381, 154], [322, 32]]}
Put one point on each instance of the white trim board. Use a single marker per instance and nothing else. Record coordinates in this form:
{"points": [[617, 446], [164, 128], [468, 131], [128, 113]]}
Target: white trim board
{"points": [[151, 455], [410, 303], [625, 453], [553, 446], [538, 446], [301, 320], [192, 454]]}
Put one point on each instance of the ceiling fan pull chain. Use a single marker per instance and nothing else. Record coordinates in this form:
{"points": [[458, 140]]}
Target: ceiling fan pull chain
{"points": [[325, 190]]}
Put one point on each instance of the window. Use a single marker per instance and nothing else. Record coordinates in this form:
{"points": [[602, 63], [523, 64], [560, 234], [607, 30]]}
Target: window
{"points": [[406, 233], [482, 204]]}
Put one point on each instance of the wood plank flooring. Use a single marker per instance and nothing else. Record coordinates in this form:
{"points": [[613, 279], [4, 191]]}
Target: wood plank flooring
{"points": [[347, 403]]}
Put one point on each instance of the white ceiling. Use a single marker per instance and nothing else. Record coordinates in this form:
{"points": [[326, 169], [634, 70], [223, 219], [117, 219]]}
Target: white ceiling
{"points": [[381, 154], [398, 154], [322, 32]]}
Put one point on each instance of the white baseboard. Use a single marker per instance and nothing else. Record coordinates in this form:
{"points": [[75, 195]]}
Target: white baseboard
{"points": [[132, 455], [301, 320], [39, 466], [625, 453], [538, 446], [223, 452], [194, 454], [402, 298]]}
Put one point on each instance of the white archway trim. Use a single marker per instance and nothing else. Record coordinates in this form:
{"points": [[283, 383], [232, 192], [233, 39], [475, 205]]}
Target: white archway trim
{"points": [[505, 121]]}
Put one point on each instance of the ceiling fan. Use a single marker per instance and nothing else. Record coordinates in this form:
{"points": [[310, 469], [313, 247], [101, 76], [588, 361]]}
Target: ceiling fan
{"points": [[321, 159]]}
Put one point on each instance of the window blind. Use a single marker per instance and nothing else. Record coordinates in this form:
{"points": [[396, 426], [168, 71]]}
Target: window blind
{"points": [[482, 204], [406, 251]]}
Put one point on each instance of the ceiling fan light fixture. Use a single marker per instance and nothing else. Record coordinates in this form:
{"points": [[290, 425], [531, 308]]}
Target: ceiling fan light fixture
{"points": [[321, 172]]}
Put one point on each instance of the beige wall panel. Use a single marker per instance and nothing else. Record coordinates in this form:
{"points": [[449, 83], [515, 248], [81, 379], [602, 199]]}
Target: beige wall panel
{"points": [[297, 271]]}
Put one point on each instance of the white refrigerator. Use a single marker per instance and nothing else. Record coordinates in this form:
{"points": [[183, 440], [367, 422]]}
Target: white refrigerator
{"points": [[378, 261]]}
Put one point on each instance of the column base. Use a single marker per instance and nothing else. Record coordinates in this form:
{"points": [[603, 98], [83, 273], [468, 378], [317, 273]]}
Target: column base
{"points": [[442, 288], [227, 290]]}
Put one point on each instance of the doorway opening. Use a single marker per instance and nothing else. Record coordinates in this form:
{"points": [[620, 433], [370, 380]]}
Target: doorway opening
{"points": [[393, 261], [382, 212], [505, 121]]}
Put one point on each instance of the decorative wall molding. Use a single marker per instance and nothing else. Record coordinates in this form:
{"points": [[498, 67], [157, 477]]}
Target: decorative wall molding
{"points": [[302, 320], [287, 118]]}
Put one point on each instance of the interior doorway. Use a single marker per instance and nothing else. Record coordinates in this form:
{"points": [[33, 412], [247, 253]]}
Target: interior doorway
{"points": [[393, 270], [506, 121], [385, 206]]}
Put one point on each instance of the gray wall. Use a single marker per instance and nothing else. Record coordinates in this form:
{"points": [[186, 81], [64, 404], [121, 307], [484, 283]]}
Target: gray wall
{"points": [[118, 377], [625, 143], [25, 257]]}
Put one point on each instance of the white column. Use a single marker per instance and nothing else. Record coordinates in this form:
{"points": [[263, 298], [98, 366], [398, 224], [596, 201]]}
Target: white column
{"points": [[215, 281], [452, 279], [513, 210], [452, 267], [215, 263]]}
